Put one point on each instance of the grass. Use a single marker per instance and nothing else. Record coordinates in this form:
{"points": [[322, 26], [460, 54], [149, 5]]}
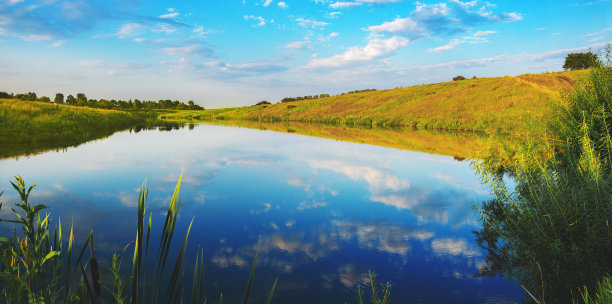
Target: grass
{"points": [[28, 127], [552, 233], [516, 105]]}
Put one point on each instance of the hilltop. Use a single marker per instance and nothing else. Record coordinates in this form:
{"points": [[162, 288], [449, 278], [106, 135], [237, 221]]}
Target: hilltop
{"points": [[516, 105]]}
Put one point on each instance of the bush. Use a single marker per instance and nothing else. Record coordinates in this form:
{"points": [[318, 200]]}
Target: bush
{"points": [[457, 78]]}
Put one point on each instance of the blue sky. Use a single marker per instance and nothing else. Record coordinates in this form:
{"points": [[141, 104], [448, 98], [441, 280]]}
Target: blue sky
{"points": [[238, 52]]}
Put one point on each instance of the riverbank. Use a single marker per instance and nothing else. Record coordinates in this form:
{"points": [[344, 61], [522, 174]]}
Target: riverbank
{"points": [[514, 105], [28, 126]]}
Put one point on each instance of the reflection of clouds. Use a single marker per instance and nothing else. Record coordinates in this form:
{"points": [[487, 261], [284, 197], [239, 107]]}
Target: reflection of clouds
{"points": [[455, 247], [350, 276], [382, 237], [376, 179], [226, 258], [127, 199], [442, 204], [304, 205]]}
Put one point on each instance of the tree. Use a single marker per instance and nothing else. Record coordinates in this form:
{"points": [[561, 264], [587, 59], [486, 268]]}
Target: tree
{"points": [[458, 78], [581, 61], [70, 100], [44, 99], [59, 98], [263, 102], [81, 99]]}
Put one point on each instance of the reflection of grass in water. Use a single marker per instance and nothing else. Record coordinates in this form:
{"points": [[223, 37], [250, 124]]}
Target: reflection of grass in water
{"points": [[552, 233], [37, 268], [27, 126], [461, 145], [504, 104]]}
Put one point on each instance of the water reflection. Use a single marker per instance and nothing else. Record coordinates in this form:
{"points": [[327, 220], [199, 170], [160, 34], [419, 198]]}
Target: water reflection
{"points": [[323, 212]]}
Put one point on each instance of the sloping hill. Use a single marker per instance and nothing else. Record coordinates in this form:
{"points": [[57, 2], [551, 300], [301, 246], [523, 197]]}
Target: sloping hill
{"points": [[501, 104]]}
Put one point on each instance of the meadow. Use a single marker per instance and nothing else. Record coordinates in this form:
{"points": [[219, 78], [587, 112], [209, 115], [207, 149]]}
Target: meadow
{"points": [[516, 105], [28, 126]]}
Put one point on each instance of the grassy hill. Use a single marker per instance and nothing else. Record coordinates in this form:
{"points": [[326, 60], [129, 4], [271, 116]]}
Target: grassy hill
{"points": [[29, 126], [516, 105]]}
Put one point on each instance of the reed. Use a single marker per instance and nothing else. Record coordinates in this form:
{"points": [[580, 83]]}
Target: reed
{"points": [[552, 234], [36, 268]]}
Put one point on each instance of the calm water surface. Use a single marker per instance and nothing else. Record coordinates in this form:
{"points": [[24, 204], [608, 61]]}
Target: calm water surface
{"points": [[324, 211]]}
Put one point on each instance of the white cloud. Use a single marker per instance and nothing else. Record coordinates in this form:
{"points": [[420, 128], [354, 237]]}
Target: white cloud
{"points": [[283, 5], [171, 14], [349, 4], [483, 33], [297, 45], [129, 29], [261, 20], [307, 23], [375, 48], [267, 2], [451, 45], [442, 19], [188, 50]]}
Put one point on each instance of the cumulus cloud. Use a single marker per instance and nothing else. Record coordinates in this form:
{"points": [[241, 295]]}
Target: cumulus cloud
{"points": [[282, 5], [442, 19], [376, 48]]}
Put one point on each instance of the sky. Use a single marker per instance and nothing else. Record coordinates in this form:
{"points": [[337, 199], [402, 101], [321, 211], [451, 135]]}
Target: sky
{"points": [[238, 52]]}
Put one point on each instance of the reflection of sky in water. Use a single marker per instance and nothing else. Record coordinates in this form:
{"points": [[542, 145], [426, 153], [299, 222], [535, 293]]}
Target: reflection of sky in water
{"points": [[324, 212]]}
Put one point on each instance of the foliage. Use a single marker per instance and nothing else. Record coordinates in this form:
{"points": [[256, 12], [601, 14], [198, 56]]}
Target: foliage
{"points": [[602, 295], [59, 98], [457, 78], [36, 267], [263, 102], [581, 61], [552, 233]]}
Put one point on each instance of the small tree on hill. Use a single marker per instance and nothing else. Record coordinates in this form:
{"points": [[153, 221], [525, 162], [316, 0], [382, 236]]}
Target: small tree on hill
{"points": [[263, 102], [581, 61], [458, 78], [70, 100], [59, 98]]}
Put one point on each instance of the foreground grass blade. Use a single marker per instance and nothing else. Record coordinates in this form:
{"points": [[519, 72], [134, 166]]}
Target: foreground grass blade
{"points": [[250, 284]]}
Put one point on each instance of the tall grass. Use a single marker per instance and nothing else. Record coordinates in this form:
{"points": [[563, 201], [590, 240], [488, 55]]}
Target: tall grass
{"points": [[36, 268], [552, 233]]}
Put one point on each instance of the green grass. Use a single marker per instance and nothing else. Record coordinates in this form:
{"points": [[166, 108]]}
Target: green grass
{"points": [[552, 233], [516, 105], [28, 127]]}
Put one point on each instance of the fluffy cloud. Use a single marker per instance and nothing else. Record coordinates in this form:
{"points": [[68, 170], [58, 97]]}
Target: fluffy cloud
{"points": [[376, 48], [282, 5], [349, 4], [442, 19], [260, 19]]}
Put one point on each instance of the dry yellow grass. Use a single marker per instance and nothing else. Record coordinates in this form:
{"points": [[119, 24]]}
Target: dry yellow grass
{"points": [[517, 105]]}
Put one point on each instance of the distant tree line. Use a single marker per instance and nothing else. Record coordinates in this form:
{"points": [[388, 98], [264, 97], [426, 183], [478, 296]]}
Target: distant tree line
{"points": [[82, 100], [358, 91], [291, 99]]}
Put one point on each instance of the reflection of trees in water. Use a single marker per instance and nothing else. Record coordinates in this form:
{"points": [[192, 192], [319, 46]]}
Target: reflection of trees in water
{"points": [[163, 126], [552, 233]]}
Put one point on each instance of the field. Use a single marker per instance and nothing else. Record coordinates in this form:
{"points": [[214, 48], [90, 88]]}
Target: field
{"points": [[27, 127], [516, 105]]}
